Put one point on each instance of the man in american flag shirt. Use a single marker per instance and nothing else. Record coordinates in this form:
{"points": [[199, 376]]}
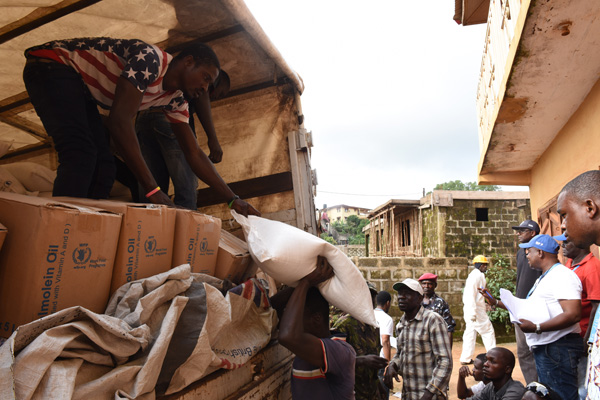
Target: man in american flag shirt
{"points": [[67, 80]]}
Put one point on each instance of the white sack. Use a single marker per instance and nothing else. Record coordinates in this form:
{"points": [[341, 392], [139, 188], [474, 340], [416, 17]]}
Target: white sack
{"points": [[288, 254], [35, 177], [158, 334]]}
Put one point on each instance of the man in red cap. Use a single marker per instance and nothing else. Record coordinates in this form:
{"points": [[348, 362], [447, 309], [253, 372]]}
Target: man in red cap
{"points": [[435, 303]]}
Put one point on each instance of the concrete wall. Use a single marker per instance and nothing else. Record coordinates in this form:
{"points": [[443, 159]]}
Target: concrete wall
{"points": [[455, 232], [353, 250], [452, 273], [575, 149]]}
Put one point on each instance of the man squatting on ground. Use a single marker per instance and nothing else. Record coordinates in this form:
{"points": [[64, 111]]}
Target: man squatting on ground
{"points": [[424, 357], [67, 79], [498, 369], [555, 343], [462, 391]]}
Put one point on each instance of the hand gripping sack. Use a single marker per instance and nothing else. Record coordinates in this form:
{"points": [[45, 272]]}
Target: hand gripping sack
{"points": [[288, 254]]}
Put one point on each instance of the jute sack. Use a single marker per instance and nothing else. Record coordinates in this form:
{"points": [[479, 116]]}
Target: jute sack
{"points": [[288, 254]]}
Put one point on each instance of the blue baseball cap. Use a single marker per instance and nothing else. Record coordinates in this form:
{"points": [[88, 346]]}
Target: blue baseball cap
{"points": [[560, 238], [543, 242]]}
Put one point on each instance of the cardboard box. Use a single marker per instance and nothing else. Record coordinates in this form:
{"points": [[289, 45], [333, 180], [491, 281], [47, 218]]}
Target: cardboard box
{"points": [[3, 232], [196, 241], [56, 256], [233, 258], [145, 242]]}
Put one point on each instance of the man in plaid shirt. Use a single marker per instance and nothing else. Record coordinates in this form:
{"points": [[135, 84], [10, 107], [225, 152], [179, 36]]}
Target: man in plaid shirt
{"points": [[424, 358]]}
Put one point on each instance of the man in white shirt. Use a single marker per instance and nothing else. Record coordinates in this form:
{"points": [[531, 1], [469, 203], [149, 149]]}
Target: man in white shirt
{"points": [[385, 322], [474, 312], [555, 343], [386, 333]]}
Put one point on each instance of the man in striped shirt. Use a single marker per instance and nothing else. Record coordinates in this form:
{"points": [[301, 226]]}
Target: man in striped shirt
{"points": [[67, 80], [424, 358]]}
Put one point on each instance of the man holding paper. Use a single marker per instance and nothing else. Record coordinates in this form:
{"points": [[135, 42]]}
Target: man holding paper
{"points": [[555, 340]]}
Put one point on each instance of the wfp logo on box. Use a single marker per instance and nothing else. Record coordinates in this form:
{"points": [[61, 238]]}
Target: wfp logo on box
{"points": [[204, 249], [203, 246], [150, 245], [82, 254]]}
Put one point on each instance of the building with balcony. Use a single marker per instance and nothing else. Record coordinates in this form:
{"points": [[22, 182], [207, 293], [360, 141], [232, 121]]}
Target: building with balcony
{"points": [[447, 223], [538, 99]]}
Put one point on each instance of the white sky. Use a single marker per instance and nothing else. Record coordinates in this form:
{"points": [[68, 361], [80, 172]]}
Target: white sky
{"points": [[390, 93]]}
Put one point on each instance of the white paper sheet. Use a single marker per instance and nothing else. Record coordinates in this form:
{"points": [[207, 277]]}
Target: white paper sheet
{"points": [[534, 310]]}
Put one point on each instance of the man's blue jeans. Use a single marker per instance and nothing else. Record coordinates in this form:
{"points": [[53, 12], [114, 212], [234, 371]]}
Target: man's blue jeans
{"points": [[165, 159], [70, 116], [556, 364]]}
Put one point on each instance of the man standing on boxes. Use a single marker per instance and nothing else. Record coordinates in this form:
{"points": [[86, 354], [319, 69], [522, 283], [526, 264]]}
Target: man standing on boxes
{"points": [[67, 79], [474, 312]]}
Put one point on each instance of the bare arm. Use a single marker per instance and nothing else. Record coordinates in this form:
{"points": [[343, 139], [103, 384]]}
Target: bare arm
{"points": [[202, 106], [462, 391], [291, 329], [491, 300], [387, 347], [205, 170], [371, 361], [592, 316], [120, 126], [571, 315]]}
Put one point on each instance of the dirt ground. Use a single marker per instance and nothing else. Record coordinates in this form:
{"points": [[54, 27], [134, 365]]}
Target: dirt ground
{"points": [[456, 349]]}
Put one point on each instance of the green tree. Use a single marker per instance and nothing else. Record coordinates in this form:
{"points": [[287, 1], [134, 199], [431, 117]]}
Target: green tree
{"points": [[353, 228], [460, 185], [501, 276], [328, 238]]}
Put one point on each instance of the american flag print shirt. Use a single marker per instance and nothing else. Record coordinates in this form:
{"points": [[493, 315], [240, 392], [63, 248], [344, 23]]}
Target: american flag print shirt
{"points": [[101, 61]]}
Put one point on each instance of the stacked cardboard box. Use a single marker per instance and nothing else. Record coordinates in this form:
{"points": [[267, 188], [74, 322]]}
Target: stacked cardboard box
{"points": [[145, 242], [56, 256], [3, 233], [196, 241], [233, 259]]}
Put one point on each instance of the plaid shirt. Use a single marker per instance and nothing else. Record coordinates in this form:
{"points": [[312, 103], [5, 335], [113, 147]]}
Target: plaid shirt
{"points": [[424, 358]]}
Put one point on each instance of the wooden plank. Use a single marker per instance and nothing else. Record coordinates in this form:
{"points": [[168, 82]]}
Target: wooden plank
{"points": [[204, 39], [26, 152], [302, 181], [394, 235], [25, 125], [259, 373], [256, 187], [42, 16], [17, 103]]}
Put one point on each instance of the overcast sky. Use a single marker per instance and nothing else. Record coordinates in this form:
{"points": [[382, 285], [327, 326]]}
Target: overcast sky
{"points": [[390, 93]]}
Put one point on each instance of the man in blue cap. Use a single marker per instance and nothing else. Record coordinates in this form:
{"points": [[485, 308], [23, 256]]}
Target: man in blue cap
{"points": [[555, 343]]}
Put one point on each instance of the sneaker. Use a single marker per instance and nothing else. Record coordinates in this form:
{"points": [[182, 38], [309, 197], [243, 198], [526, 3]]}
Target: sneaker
{"points": [[466, 363]]}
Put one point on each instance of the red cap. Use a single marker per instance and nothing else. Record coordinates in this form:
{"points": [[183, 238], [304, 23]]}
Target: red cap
{"points": [[428, 276]]}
